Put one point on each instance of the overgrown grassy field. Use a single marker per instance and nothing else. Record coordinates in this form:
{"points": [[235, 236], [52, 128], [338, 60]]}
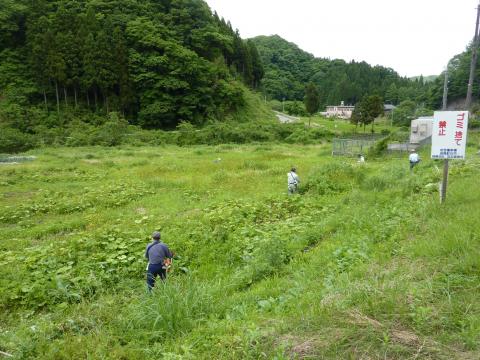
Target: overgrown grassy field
{"points": [[344, 127], [365, 263]]}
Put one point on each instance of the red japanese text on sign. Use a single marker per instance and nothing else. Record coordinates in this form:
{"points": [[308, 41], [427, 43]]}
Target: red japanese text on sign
{"points": [[459, 132], [442, 125], [449, 135]]}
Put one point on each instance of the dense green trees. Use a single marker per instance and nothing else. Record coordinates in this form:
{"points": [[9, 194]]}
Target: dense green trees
{"points": [[367, 110], [312, 98], [156, 62], [459, 70], [288, 69], [408, 110]]}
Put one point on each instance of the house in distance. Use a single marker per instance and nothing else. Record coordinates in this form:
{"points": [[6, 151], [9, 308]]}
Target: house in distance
{"points": [[341, 111], [388, 108]]}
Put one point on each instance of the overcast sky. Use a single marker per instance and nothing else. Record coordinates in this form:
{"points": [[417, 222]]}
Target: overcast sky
{"points": [[411, 36]]}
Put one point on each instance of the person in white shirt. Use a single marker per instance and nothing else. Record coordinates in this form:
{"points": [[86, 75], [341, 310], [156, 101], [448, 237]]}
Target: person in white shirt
{"points": [[361, 158], [293, 181], [414, 159]]}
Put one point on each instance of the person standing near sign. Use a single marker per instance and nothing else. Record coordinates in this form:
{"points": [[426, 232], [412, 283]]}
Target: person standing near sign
{"points": [[293, 181], [159, 259], [413, 158]]}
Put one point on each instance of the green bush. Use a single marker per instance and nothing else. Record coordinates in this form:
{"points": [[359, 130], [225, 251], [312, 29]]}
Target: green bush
{"points": [[112, 132], [379, 148], [474, 123], [333, 178], [80, 134], [138, 137], [266, 259], [275, 105], [14, 141], [296, 108], [308, 135], [94, 130], [175, 307], [186, 134]]}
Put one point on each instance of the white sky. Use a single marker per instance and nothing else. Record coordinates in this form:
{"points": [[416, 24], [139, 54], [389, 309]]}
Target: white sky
{"points": [[411, 36]]}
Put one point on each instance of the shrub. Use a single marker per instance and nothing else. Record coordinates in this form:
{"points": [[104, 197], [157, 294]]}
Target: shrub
{"points": [[307, 136], [112, 132], [136, 136], [186, 134], [275, 105], [267, 258], [379, 148], [295, 108], [474, 123], [14, 141], [175, 307], [80, 134], [333, 178]]}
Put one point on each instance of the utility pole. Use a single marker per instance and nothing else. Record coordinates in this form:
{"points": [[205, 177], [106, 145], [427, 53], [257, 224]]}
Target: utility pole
{"points": [[468, 101], [443, 189], [445, 90]]}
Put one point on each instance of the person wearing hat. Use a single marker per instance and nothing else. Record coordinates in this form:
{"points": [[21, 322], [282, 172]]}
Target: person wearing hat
{"points": [[413, 158], [293, 181], [158, 255]]}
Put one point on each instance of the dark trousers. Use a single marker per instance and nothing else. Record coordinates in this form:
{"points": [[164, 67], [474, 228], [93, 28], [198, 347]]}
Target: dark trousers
{"points": [[412, 164], [153, 271]]}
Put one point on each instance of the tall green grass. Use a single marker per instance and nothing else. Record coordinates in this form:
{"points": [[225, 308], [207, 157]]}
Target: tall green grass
{"points": [[365, 263]]}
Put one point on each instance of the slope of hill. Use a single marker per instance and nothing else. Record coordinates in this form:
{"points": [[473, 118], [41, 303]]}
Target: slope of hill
{"points": [[156, 62], [288, 69], [459, 72], [426, 79]]}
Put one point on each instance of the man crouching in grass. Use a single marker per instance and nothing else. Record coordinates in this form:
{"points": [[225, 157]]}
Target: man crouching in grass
{"points": [[159, 258]]}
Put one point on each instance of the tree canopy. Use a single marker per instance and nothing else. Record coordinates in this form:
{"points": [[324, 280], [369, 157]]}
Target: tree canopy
{"points": [[157, 62], [367, 110], [288, 70], [458, 74], [312, 98]]}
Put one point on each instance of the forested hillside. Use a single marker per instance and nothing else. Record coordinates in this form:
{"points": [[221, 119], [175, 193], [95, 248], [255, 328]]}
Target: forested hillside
{"points": [[459, 71], [156, 62], [288, 69]]}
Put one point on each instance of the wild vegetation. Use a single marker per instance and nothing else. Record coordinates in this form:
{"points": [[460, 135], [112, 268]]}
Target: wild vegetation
{"points": [[458, 74], [156, 63], [141, 116], [364, 261]]}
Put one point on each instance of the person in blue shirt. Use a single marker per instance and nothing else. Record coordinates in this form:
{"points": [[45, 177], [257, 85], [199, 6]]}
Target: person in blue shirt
{"points": [[158, 255]]}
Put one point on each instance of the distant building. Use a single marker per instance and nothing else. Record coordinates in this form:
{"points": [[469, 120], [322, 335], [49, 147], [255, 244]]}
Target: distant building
{"points": [[340, 111], [421, 129], [343, 111], [388, 108], [420, 134]]}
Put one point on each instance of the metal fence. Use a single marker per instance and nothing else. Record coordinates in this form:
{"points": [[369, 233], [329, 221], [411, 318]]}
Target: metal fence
{"points": [[407, 146], [15, 159], [353, 147], [401, 147]]}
